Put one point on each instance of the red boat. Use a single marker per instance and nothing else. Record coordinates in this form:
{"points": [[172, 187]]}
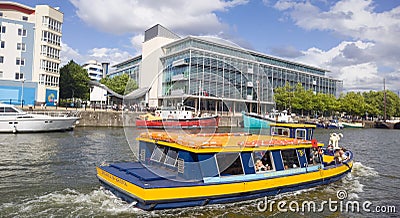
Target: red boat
{"points": [[181, 119]]}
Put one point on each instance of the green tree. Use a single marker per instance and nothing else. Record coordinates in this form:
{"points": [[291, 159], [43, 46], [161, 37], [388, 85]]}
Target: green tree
{"points": [[353, 103], [121, 84], [74, 81]]}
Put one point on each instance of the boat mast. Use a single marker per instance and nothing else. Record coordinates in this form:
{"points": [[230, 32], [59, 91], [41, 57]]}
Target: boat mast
{"points": [[384, 99], [198, 112]]}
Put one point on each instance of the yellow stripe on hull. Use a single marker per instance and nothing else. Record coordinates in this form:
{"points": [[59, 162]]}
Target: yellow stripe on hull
{"points": [[210, 190]]}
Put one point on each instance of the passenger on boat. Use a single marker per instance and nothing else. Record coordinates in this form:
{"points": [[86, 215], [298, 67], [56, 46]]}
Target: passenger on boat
{"points": [[343, 154], [329, 150], [260, 166], [317, 155], [338, 156]]}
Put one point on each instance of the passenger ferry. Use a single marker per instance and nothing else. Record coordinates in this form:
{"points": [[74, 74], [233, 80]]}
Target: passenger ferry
{"points": [[196, 170]]}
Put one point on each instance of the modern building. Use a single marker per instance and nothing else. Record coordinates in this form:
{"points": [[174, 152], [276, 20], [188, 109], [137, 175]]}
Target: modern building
{"points": [[94, 69], [29, 53], [216, 75]]}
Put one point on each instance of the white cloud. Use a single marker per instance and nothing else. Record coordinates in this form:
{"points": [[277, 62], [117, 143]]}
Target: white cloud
{"points": [[182, 16], [111, 55], [375, 41], [67, 53], [136, 42], [353, 62]]}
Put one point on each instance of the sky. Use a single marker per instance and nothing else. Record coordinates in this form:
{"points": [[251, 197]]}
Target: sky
{"points": [[358, 41]]}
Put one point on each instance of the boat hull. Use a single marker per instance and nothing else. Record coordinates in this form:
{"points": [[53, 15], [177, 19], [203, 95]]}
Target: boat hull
{"points": [[36, 124], [254, 121], [353, 125], [200, 194], [193, 123]]}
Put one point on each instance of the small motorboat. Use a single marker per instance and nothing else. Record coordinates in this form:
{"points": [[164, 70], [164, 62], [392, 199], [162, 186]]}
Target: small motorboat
{"points": [[186, 170], [14, 120], [353, 125], [176, 118]]}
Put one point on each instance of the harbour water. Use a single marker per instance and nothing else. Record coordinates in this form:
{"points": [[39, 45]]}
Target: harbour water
{"points": [[53, 174]]}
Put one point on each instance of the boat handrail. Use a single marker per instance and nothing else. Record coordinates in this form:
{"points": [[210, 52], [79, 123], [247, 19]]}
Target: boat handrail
{"points": [[220, 140]]}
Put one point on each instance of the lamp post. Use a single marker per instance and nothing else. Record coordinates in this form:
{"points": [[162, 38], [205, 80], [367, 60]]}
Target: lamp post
{"points": [[22, 92]]}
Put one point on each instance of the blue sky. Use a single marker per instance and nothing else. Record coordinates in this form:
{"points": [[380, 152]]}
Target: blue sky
{"points": [[356, 40]]}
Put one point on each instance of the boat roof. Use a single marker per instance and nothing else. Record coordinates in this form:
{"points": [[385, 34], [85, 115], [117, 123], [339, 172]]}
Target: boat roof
{"points": [[294, 125], [223, 142]]}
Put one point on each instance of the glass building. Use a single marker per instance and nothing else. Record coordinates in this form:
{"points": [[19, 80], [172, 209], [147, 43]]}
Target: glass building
{"points": [[219, 74]]}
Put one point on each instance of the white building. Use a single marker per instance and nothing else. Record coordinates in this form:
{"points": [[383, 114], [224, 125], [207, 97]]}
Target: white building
{"points": [[94, 69], [29, 53]]}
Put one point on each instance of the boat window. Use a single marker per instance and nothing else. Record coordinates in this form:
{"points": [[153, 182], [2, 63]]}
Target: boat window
{"points": [[290, 159], [229, 164], [171, 157], [158, 154], [310, 134], [300, 134], [262, 161], [8, 110], [280, 131]]}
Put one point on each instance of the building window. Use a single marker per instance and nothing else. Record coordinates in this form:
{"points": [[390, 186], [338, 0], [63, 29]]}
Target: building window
{"points": [[1, 74], [25, 18], [3, 29], [21, 32], [21, 46], [20, 61], [1, 59], [19, 76], [3, 44], [1, 14]]}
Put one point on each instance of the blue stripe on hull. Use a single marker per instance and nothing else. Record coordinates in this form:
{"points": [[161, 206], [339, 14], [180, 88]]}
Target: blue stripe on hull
{"points": [[159, 205], [253, 122]]}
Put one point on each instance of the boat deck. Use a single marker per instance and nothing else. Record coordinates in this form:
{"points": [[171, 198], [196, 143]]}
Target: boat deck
{"points": [[146, 176]]}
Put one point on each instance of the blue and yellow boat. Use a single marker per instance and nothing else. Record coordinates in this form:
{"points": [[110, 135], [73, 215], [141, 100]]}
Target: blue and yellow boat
{"points": [[194, 170]]}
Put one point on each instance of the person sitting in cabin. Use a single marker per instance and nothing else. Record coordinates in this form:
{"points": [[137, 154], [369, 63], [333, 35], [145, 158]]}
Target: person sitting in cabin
{"points": [[260, 166]]}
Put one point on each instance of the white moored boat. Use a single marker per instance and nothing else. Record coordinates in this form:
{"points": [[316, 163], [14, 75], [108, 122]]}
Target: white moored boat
{"points": [[14, 120]]}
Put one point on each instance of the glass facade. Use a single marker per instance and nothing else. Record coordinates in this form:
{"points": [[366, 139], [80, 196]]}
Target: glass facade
{"points": [[130, 67], [217, 71]]}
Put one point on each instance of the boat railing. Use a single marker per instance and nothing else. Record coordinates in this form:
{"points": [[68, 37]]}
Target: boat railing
{"points": [[222, 140], [57, 113]]}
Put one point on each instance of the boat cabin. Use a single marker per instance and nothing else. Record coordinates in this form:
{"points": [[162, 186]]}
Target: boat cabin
{"points": [[225, 157]]}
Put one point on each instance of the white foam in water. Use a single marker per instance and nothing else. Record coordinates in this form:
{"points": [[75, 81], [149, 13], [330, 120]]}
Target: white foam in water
{"points": [[360, 170], [73, 203]]}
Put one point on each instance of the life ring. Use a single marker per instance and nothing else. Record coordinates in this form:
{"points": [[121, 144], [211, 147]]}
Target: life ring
{"points": [[170, 117], [314, 143]]}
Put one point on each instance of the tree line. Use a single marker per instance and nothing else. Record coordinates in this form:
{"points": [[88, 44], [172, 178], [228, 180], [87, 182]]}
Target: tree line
{"points": [[305, 102], [74, 82]]}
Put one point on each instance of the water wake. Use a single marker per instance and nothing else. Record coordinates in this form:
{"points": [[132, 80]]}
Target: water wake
{"points": [[71, 203]]}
